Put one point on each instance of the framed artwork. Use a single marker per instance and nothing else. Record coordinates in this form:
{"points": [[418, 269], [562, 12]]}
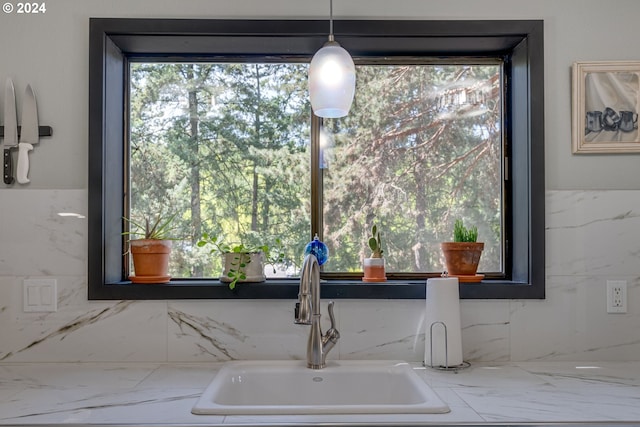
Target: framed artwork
{"points": [[605, 105]]}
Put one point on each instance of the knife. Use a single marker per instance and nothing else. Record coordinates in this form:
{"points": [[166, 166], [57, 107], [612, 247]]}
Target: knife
{"points": [[10, 131], [28, 134]]}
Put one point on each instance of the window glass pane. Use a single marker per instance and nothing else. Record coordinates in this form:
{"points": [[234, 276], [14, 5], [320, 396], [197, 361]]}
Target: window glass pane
{"points": [[420, 148], [226, 148]]}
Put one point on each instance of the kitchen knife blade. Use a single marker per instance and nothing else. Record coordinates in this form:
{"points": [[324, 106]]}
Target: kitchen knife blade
{"points": [[28, 134], [10, 131]]}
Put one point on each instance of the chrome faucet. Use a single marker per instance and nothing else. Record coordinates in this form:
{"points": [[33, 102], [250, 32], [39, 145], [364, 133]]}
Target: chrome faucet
{"points": [[308, 313]]}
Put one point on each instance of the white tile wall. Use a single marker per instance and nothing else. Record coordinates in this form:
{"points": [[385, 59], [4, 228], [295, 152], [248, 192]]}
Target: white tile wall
{"points": [[591, 236]]}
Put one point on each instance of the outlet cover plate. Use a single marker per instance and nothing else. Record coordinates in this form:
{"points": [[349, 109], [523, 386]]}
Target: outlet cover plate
{"points": [[616, 296], [40, 295]]}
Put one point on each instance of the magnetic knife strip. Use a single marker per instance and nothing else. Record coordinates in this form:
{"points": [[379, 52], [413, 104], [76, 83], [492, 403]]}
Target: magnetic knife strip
{"points": [[42, 131]]}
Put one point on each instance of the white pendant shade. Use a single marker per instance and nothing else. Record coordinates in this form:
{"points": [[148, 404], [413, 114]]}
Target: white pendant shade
{"points": [[332, 81]]}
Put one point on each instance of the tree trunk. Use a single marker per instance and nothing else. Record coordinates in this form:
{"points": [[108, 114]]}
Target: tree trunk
{"points": [[194, 177], [420, 249], [257, 130], [254, 200]]}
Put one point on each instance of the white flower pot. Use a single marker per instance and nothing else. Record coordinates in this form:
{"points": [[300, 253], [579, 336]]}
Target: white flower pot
{"points": [[253, 269]]}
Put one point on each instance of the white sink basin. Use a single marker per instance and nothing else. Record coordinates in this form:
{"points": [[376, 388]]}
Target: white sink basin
{"points": [[343, 387]]}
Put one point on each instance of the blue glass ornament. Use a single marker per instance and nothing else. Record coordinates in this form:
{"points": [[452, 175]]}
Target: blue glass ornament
{"points": [[317, 248]]}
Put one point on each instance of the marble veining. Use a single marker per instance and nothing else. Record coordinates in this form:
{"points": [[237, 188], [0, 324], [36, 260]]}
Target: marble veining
{"points": [[80, 322], [207, 329], [128, 393], [591, 237]]}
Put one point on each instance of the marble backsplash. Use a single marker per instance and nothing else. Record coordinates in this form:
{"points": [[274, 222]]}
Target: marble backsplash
{"points": [[591, 236]]}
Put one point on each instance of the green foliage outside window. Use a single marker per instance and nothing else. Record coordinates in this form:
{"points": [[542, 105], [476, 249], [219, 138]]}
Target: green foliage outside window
{"points": [[228, 147], [421, 146]]}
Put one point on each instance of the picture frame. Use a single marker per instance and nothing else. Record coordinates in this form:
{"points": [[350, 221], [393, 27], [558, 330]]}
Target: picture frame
{"points": [[605, 106]]}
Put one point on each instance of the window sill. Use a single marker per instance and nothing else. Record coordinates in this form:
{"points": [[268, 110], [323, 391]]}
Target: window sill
{"points": [[288, 289]]}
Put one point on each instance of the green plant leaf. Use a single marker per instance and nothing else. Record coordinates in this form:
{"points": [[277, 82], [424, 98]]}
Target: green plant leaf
{"points": [[272, 255], [462, 234], [373, 243], [161, 228]]}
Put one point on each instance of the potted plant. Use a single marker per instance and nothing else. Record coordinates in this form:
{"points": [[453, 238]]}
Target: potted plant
{"points": [[374, 268], [152, 250], [243, 262], [463, 254]]}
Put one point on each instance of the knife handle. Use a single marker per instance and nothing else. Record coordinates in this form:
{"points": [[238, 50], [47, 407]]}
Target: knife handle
{"points": [[23, 162], [7, 166]]}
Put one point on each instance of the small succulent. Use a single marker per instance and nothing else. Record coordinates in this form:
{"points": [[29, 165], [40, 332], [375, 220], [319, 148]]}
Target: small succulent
{"points": [[375, 243], [462, 234]]}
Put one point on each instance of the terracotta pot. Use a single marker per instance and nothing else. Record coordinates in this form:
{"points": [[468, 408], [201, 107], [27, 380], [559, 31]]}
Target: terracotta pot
{"points": [[462, 258], [254, 269], [150, 260], [374, 270]]}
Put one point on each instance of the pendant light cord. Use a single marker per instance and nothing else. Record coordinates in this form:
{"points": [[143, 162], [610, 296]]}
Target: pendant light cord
{"points": [[331, 20]]}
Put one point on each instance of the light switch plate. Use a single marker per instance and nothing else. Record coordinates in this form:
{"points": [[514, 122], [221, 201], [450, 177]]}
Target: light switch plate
{"points": [[40, 295]]}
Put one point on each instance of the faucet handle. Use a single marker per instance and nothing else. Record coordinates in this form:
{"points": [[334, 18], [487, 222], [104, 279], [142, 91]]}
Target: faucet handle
{"points": [[332, 336], [332, 317]]}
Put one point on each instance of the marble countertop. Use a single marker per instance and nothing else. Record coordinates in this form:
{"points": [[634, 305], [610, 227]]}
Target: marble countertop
{"points": [[163, 394]]}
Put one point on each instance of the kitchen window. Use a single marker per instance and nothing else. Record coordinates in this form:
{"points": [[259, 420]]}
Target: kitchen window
{"points": [[231, 96]]}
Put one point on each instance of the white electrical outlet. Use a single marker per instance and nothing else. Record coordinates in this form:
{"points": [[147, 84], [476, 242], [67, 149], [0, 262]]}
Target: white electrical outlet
{"points": [[616, 296]]}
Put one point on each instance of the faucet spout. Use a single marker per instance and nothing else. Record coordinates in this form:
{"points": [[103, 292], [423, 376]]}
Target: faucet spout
{"points": [[308, 313]]}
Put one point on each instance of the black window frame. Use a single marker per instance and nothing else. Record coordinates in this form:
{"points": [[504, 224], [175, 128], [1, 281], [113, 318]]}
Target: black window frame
{"points": [[114, 42]]}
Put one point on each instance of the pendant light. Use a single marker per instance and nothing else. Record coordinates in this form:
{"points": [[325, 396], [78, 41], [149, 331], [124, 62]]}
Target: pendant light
{"points": [[332, 78]]}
